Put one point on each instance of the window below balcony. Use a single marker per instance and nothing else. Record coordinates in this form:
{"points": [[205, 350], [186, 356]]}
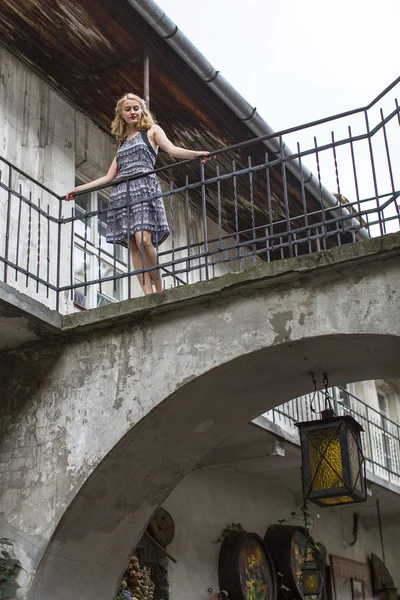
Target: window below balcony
{"points": [[94, 258]]}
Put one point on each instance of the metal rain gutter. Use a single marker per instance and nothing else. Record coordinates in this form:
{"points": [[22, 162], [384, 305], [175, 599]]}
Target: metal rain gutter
{"points": [[167, 30]]}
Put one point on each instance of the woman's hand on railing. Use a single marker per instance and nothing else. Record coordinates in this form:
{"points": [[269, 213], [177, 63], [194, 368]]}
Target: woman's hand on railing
{"points": [[205, 156], [72, 193]]}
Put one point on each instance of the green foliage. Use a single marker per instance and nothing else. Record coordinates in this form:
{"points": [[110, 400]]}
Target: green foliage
{"points": [[302, 515], [8, 569], [227, 531]]}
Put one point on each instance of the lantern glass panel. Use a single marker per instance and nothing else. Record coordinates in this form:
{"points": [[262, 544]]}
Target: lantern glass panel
{"points": [[325, 458], [310, 583], [354, 456], [336, 500]]}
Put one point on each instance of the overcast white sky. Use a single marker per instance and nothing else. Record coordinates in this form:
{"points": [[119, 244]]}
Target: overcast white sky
{"points": [[302, 60], [296, 60]]}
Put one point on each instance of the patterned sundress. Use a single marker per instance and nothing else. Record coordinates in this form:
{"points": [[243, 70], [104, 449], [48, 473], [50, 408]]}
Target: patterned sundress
{"points": [[136, 155]]}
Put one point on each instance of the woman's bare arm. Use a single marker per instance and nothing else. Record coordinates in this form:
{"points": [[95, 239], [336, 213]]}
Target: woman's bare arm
{"points": [[165, 144], [108, 178]]}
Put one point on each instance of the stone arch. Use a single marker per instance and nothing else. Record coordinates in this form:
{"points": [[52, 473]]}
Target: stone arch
{"points": [[90, 546]]}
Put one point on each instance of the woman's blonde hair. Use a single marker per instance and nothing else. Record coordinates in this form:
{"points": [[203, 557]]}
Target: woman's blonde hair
{"points": [[119, 126]]}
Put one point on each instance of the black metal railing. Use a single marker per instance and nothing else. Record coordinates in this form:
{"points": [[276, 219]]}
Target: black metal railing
{"points": [[380, 438], [239, 210]]}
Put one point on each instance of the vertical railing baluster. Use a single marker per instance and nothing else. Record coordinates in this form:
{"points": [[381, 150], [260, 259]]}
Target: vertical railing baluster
{"points": [[270, 227], [59, 242], [372, 159], [141, 242], [188, 216], [199, 267], [72, 254], [8, 219], [339, 224], [353, 162], [48, 251], [286, 196], [85, 255], [317, 240], [98, 220], [281, 247], [323, 216], [38, 247], [253, 217], [18, 232], [296, 250], [172, 217], [158, 271], [204, 210], [28, 252], [219, 214], [304, 200], [235, 204], [370, 439]]}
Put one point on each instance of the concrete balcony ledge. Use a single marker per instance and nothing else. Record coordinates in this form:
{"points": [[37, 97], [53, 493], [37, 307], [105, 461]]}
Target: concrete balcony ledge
{"points": [[241, 282], [24, 320]]}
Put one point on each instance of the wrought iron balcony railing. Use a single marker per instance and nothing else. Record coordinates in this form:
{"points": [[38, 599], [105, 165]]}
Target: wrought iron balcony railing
{"points": [[258, 201], [380, 439]]}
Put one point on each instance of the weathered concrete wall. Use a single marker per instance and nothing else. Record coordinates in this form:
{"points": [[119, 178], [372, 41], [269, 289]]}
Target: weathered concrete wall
{"points": [[206, 501], [44, 136], [138, 392], [37, 133]]}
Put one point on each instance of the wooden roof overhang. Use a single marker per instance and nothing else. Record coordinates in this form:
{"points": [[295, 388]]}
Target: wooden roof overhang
{"points": [[92, 52]]}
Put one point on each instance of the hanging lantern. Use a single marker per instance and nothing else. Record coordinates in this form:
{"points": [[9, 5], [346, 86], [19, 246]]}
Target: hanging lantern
{"points": [[311, 579], [333, 462], [387, 593]]}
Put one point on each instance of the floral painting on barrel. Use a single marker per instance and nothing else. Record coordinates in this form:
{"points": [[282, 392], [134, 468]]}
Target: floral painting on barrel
{"points": [[255, 575], [298, 555]]}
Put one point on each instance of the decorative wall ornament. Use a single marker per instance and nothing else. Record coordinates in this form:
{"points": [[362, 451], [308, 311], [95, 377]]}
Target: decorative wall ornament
{"points": [[162, 527], [348, 575], [291, 547], [246, 570], [380, 574]]}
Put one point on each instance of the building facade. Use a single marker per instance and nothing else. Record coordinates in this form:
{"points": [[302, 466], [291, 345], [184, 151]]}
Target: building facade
{"points": [[248, 211]]}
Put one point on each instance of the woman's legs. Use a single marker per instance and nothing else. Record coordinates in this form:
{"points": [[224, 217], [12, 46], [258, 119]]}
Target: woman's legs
{"points": [[143, 254]]}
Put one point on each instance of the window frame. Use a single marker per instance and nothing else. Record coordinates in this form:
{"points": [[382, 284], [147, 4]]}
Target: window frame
{"points": [[89, 243]]}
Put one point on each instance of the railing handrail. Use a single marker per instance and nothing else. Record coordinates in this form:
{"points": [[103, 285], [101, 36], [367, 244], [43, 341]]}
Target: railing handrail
{"points": [[240, 145], [368, 407], [290, 411], [32, 179], [285, 158], [357, 400], [270, 136]]}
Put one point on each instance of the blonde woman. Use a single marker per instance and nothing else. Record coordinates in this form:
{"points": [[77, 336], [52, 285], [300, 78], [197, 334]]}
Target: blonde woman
{"points": [[144, 223]]}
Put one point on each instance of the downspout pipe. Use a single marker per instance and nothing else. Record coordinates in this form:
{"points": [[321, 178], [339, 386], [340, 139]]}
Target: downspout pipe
{"points": [[167, 30]]}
